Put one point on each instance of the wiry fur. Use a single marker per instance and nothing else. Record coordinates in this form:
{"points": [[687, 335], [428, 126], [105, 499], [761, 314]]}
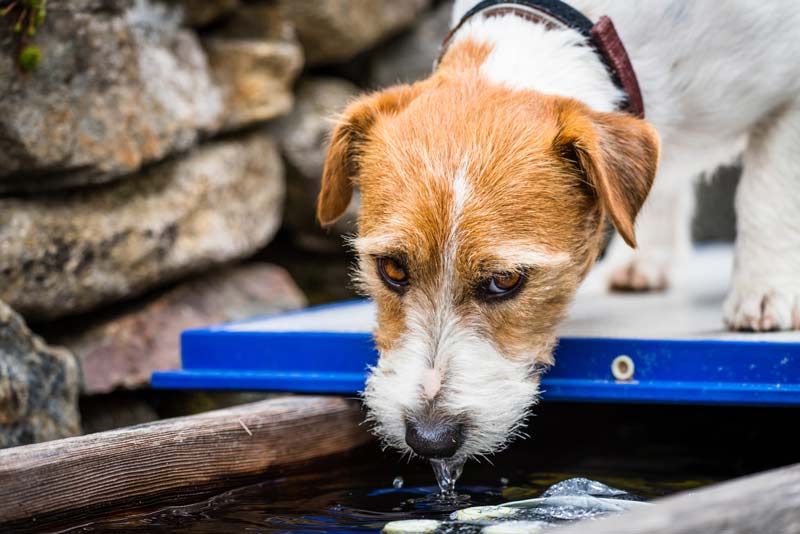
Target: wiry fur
{"points": [[509, 157], [715, 78], [558, 54], [448, 207], [443, 365], [490, 392]]}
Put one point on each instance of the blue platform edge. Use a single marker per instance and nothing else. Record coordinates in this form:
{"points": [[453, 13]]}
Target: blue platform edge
{"points": [[703, 371]]}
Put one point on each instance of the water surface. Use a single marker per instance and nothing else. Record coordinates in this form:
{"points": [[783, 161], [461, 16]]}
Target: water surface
{"points": [[647, 451]]}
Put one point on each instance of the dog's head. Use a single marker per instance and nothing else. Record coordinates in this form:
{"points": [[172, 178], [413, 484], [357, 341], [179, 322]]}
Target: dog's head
{"points": [[482, 210]]}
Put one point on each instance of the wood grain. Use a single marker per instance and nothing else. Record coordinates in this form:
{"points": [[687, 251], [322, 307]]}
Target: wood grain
{"points": [[185, 452], [767, 503]]}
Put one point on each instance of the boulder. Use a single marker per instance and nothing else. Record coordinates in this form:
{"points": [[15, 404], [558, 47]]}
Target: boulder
{"points": [[303, 136], [122, 351], [255, 77], [254, 57], [256, 21], [334, 31], [119, 85], [69, 252], [38, 386], [410, 57], [201, 13]]}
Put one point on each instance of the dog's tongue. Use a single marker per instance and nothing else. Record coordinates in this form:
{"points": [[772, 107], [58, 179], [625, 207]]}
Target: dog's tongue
{"points": [[447, 472]]}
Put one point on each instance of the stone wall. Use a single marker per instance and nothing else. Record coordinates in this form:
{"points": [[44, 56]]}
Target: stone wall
{"points": [[144, 167]]}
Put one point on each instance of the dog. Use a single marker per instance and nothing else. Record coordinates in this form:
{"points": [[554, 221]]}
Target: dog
{"points": [[485, 188]]}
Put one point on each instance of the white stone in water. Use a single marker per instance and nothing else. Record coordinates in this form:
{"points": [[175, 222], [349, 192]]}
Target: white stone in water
{"points": [[411, 526], [447, 472], [582, 486], [574, 506], [567, 501], [476, 513], [515, 527]]}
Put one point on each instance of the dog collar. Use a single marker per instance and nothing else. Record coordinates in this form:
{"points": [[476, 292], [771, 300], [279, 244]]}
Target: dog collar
{"points": [[555, 14]]}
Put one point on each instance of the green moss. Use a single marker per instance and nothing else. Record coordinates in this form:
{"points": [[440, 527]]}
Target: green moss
{"points": [[30, 58], [25, 15], [38, 10]]}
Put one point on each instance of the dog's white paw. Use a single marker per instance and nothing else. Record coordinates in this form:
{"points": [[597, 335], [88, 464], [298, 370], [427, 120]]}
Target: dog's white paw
{"points": [[639, 274], [760, 307]]}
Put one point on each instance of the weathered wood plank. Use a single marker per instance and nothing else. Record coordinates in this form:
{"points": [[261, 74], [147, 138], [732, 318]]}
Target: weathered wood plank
{"points": [[168, 455], [768, 502]]}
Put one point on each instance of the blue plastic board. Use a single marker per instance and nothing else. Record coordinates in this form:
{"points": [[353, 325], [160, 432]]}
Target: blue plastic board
{"points": [[680, 351]]}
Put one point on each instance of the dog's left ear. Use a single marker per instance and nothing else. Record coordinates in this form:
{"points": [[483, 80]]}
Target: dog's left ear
{"points": [[341, 163], [618, 155]]}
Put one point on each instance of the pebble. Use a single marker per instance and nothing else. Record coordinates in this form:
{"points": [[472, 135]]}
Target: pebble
{"points": [[515, 527], [483, 512], [422, 526]]}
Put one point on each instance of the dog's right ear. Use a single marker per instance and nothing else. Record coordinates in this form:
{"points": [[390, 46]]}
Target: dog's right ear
{"points": [[349, 135]]}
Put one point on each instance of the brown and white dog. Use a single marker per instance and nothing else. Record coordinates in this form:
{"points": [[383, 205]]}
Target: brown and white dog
{"points": [[485, 187]]}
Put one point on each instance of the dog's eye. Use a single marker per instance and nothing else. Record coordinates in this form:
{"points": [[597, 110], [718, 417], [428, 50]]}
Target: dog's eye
{"points": [[504, 282], [393, 274], [502, 285]]}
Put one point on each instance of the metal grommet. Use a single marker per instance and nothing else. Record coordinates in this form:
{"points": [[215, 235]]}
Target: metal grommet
{"points": [[622, 367]]}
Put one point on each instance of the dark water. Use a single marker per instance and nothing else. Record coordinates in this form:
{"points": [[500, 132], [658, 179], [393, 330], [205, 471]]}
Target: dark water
{"points": [[646, 451], [359, 497]]}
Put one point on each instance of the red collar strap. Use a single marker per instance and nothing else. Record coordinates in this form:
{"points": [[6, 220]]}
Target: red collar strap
{"points": [[555, 14]]}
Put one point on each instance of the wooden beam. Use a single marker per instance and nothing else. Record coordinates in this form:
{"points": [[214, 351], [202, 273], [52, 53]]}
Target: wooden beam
{"points": [[766, 502], [166, 456]]}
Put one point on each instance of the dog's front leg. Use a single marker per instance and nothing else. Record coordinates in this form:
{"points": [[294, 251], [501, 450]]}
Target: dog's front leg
{"points": [[663, 236], [766, 286]]}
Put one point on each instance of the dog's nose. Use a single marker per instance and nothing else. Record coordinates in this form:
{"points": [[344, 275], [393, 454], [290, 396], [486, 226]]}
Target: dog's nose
{"points": [[434, 439]]}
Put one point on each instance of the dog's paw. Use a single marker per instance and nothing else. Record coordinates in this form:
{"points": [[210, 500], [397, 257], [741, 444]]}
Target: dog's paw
{"points": [[761, 308], [639, 275]]}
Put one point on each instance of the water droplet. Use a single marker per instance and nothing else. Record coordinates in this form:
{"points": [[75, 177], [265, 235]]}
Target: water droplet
{"points": [[397, 483], [504, 481], [447, 472]]}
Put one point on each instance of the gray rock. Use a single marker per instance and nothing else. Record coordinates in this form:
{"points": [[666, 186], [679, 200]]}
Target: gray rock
{"points": [[119, 85], [123, 350], [38, 386], [303, 137], [254, 57], [256, 21], [255, 76], [69, 252], [333, 31], [410, 57], [201, 13]]}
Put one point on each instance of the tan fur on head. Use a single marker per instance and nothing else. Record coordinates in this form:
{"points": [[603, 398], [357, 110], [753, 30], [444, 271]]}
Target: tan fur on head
{"points": [[462, 179], [341, 163]]}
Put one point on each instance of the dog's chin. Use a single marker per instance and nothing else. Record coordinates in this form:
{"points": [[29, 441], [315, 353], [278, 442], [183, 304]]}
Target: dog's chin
{"points": [[488, 393]]}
